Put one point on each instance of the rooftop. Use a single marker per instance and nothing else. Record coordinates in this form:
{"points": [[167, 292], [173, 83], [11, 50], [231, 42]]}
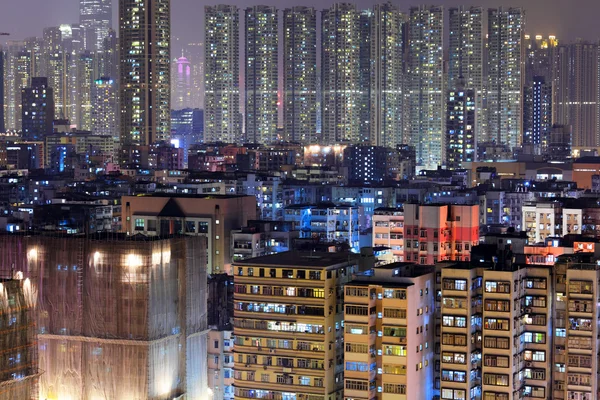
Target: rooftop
{"points": [[300, 259]]}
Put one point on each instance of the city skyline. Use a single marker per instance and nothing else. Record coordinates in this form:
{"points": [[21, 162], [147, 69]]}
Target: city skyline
{"points": [[565, 20]]}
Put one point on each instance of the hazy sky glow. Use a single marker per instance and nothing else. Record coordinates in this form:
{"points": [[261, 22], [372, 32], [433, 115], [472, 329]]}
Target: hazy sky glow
{"points": [[568, 19]]}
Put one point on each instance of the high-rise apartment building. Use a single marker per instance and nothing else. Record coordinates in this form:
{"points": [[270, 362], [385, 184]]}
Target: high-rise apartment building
{"points": [[38, 109], [144, 42], [288, 325], [2, 101], [496, 343], [576, 101], [104, 107], [181, 87], [95, 16], [461, 122], [537, 114], [340, 74], [426, 84], [540, 57], [17, 77], [389, 323], [440, 232], [466, 51], [300, 74], [261, 74], [84, 70], [505, 76], [386, 75], [108, 57], [221, 62], [194, 52]]}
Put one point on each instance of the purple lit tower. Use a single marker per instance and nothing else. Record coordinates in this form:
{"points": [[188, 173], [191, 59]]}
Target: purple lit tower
{"points": [[182, 86]]}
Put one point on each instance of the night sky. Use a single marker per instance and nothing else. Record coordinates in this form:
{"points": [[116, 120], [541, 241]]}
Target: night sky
{"points": [[567, 19]]}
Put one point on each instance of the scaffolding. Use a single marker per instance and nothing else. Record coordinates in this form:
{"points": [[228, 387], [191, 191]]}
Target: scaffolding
{"points": [[18, 347], [118, 317]]}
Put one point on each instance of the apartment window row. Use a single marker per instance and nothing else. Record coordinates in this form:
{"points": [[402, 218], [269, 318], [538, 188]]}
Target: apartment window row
{"points": [[534, 391], [454, 376], [535, 301], [394, 350], [581, 324], [454, 284], [492, 342], [534, 355], [495, 396], [394, 331], [393, 369], [497, 305], [394, 294], [581, 361], [278, 326], [358, 310], [360, 366], [497, 324], [536, 374], [535, 319], [353, 384], [394, 388], [579, 379], [357, 348], [579, 342], [356, 329], [535, 283], [497, 287], [579, 395], [454, 302], [454, 321], [495, 379], [581, 305], [454, 339], [279, 291], [454, 358], [453, 394], [357, 292], [394, 313], [582, 287], [533, 337], [496, 361], [279, 308]]}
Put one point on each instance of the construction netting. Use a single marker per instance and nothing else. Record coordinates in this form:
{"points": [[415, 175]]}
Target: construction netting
{"points": [[18, 348], [118, 317]]}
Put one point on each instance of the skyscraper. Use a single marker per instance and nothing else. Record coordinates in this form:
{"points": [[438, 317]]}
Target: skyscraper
{"points": [[56, 65], [505, 75], [144, 41], [386, 76], [261, 73], [222, 68], [17, 76], [95, 16], [576, 101], [460, 125], [426, 84], [300, 74], [181, 87], [104, 107], [537, 114], [340, 74], [466, 58], [108, 57], [38, 109]]}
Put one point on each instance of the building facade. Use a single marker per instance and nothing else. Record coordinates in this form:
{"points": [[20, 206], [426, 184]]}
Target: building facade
{"points": [[300, 74], [261, 74], [222, 69], [426, 84], [145, 70]]}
